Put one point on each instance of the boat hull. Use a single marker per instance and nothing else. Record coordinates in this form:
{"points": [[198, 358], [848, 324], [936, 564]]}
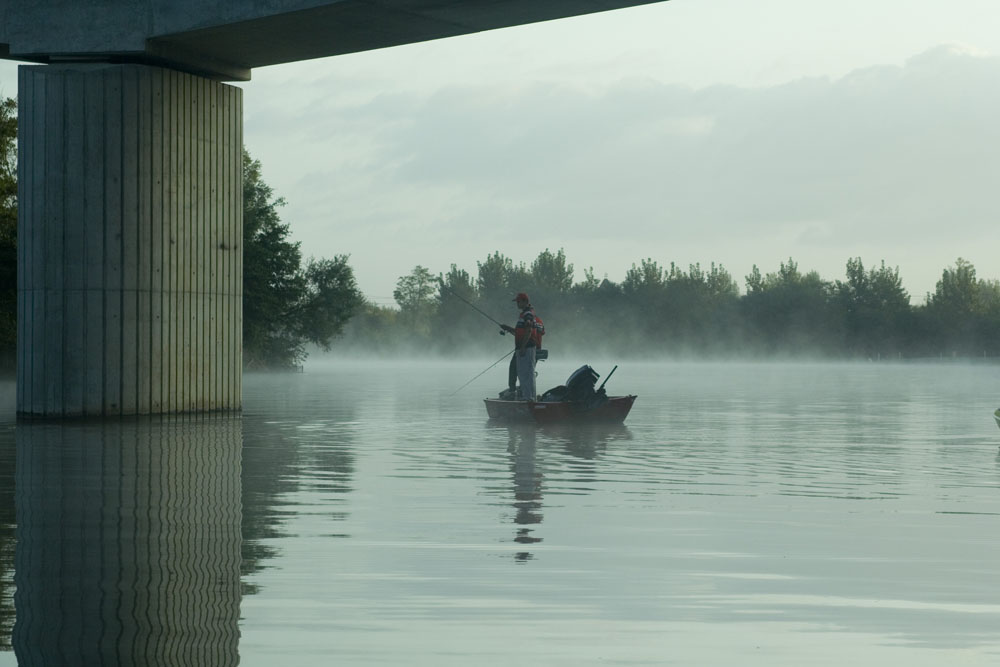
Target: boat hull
{"points": [[996, 416], [544, 412]]}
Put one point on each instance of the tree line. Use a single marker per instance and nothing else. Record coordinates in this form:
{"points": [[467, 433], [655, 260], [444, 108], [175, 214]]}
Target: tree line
{"points": [[668, 311], [293, 303]]}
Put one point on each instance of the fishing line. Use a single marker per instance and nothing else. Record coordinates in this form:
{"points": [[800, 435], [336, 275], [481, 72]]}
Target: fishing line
{"points": [[472, 305], [481, 374]]}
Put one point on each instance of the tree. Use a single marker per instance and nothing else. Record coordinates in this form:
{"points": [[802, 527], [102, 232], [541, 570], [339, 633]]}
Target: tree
{"points": [[875, 308], [456, 323], [284, 306], [8, 233], [962, 312], [988, 326], [790, 313], [331, 298], [414, 294], [590, 283], [272, 281], [699, 308], [375, 330], [550, 273], [493, 280], [957, 293], [647, 278]]}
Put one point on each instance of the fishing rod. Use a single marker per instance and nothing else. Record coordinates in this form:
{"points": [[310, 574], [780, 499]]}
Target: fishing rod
{"points": [[481, 374], [608, 378], [476, 308]]}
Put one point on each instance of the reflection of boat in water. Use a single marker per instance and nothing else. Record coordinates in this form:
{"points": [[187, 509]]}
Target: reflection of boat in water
{"points": [[533, 449], [576, 401]]}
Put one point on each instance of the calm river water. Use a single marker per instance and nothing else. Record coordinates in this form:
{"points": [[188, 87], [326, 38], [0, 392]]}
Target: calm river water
{"points": [[745, 514]]}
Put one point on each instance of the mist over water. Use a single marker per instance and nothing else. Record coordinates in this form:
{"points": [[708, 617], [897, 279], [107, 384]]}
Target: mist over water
{"points": [[745, 513]]}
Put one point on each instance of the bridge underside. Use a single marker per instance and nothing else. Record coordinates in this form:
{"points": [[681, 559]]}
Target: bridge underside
{"points": [[224, 41]]}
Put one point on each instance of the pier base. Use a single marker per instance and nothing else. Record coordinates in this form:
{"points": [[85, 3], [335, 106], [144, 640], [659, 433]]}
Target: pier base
{"points": [[129, 241]]}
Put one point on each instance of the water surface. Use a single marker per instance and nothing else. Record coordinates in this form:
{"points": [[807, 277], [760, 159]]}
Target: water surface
{"points": [[752, 514]]}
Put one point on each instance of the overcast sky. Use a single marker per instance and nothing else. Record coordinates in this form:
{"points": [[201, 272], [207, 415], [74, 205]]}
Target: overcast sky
{"points": [[731, 131]]}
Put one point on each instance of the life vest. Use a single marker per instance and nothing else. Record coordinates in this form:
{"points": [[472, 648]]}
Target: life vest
{"points": [[529, 324]]}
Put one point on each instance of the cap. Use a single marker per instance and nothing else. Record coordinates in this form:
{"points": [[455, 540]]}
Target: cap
{"points": [[521, 296]]}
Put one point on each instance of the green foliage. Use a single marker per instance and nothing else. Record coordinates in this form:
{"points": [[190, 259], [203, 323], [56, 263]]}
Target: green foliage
{"points": [[272, 282], [414, 293], [495, 276], [331, 298], [8, 233], [957, 293], [875, 310], [590, 282], [789, 313], [659, 310], [648, 278], [700, 308], [962, 316], [284, 305], [550, 274], [455, 324], [375, 330]]}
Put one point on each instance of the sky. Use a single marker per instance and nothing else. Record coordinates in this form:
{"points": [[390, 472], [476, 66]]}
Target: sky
{"points": [[738, 132]]}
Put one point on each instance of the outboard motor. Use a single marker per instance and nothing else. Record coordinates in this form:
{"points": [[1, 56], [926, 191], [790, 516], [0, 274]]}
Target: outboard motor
{"points": [[579, 388], [580, 385]]}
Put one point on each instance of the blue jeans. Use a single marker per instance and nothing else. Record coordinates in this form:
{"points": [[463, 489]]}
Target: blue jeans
{"points": [[526, 372]]}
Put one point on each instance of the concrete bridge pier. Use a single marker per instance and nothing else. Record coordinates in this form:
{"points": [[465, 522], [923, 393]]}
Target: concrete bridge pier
{"points": [[129, 241]]}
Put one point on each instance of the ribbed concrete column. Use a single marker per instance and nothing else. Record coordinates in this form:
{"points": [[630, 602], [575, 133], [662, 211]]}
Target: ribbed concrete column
{"points": [[129, 241]]}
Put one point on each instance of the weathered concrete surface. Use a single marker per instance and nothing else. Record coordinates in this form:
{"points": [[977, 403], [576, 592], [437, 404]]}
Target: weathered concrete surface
{"points": [[129, 241], [225, 39]]}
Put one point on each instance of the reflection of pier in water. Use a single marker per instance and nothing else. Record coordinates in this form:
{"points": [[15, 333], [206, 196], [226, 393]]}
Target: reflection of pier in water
{"points": [[7, 524], [128, 542]]}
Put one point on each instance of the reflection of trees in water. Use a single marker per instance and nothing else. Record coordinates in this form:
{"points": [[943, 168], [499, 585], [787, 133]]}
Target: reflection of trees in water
{"points": [[281, 458], [7, 541]]}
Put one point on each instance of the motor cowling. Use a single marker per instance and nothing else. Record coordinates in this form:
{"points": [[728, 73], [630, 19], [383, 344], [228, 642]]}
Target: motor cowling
{"points": [[580, 385], [579, 388]]}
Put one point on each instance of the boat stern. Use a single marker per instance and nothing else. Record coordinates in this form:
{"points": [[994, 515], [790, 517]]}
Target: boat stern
{"points": [[497, 409]]}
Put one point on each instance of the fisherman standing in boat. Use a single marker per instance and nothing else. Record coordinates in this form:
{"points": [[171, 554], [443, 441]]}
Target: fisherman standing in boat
{"points": [[528, 334]]}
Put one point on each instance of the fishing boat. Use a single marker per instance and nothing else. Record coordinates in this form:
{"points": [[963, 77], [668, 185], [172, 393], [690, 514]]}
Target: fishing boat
{"points": [[575, 401], [613, 410]]}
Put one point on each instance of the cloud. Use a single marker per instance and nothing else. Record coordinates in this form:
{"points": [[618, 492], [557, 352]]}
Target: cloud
{"points": [[887, 155]]}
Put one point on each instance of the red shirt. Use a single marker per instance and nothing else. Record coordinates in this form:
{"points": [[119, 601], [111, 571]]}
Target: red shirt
{"points": [[528, 326]]}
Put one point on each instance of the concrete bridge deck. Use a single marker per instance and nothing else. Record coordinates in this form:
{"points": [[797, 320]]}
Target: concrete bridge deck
{"points": [[226, 40]]}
